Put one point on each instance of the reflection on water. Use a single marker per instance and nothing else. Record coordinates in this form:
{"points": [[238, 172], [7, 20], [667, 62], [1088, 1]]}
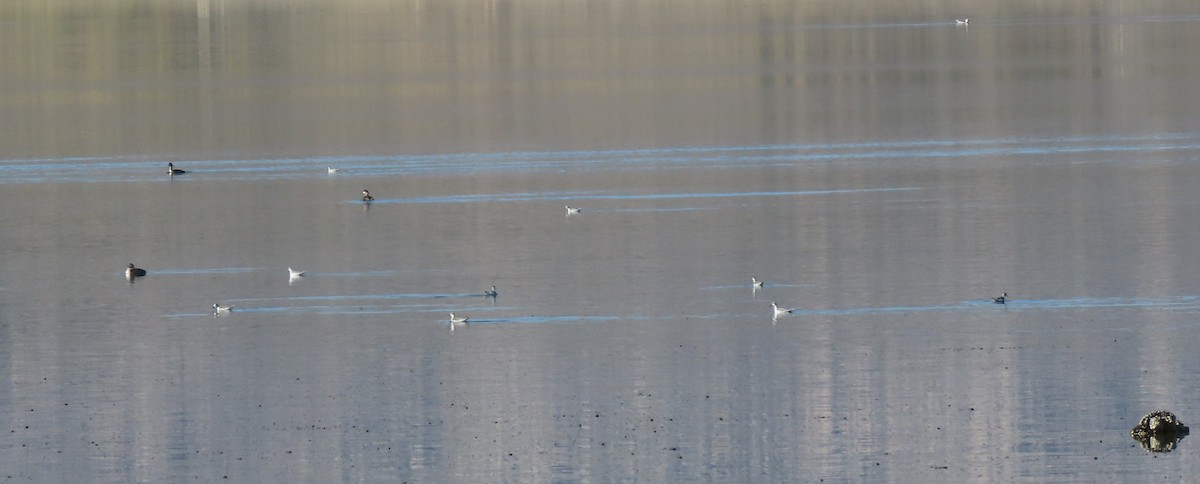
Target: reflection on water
{"points": [[218, 80], [867, 154], [886, 171]]}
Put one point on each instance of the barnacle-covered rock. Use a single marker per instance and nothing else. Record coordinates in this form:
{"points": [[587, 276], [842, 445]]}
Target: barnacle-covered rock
{"points": [[1159, 431]]}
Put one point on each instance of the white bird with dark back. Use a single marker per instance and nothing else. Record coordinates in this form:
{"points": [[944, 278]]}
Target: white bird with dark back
{"points": [[217, 308], [293, 273], [458, 319]]}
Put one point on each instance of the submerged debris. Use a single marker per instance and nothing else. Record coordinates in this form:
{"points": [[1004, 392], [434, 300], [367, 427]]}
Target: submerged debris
{"points": [[1159, 431]]}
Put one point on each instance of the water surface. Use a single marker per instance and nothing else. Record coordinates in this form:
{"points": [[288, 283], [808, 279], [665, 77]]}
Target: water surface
{"points": [[884, 170]]}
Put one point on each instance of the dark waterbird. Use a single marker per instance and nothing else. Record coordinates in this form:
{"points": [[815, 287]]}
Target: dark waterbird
{"points": [[132, 272]]}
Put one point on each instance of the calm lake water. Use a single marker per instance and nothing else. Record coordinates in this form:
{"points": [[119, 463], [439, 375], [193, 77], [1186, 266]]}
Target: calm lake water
{"points": [[885, 171]]}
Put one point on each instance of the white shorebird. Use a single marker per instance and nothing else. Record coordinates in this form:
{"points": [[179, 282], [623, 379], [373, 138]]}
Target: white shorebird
{"points": [[217, 308], [132, 272], [757, 284], [293, 273], [458, 320], [962, 21], [171, 170], [779, 310], [1001, 299], [572, 210], [333, 170], [491, 292]]}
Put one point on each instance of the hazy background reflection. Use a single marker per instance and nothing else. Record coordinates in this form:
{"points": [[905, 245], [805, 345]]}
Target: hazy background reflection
{"points": [[221, 79]]}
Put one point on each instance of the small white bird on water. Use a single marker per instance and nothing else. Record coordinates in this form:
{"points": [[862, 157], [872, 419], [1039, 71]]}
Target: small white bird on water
{"points": [[333, 170], [779, 310], [491, 292], [457, 321], [962, 21], [756, 283], [572, 210], [217, 308], [292, 273], [1001, 299]]}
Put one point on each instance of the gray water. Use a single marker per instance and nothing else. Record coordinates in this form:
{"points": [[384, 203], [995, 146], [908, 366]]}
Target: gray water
{"points": [[884, 170]]}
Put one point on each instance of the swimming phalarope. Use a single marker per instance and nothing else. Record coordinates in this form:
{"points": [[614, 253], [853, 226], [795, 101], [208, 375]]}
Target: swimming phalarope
{"points": [[779, 310], [367, 196], [132, 272], [171, 170], [491, 292]]}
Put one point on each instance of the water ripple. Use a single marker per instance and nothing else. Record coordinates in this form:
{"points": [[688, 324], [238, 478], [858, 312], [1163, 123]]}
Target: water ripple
{"points": [[1181, 303], [1033, 149]]}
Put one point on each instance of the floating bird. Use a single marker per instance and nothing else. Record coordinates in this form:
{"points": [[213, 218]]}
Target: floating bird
{"points": [[779, 310], [757, 284], [962, 21], [132, 272], [333, 170], [572, 210], [367, 196], [171, 170], [458, 320], [292, 273], [1001, 299], [491, 292], [217, 308]]}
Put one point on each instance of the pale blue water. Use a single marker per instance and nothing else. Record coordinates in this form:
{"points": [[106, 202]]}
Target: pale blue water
{"points": [[1167, 147], [624, 340], [885, 172]]}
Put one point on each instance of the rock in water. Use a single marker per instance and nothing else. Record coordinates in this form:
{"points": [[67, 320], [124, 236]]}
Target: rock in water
{"points": [[1159, 431]]}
